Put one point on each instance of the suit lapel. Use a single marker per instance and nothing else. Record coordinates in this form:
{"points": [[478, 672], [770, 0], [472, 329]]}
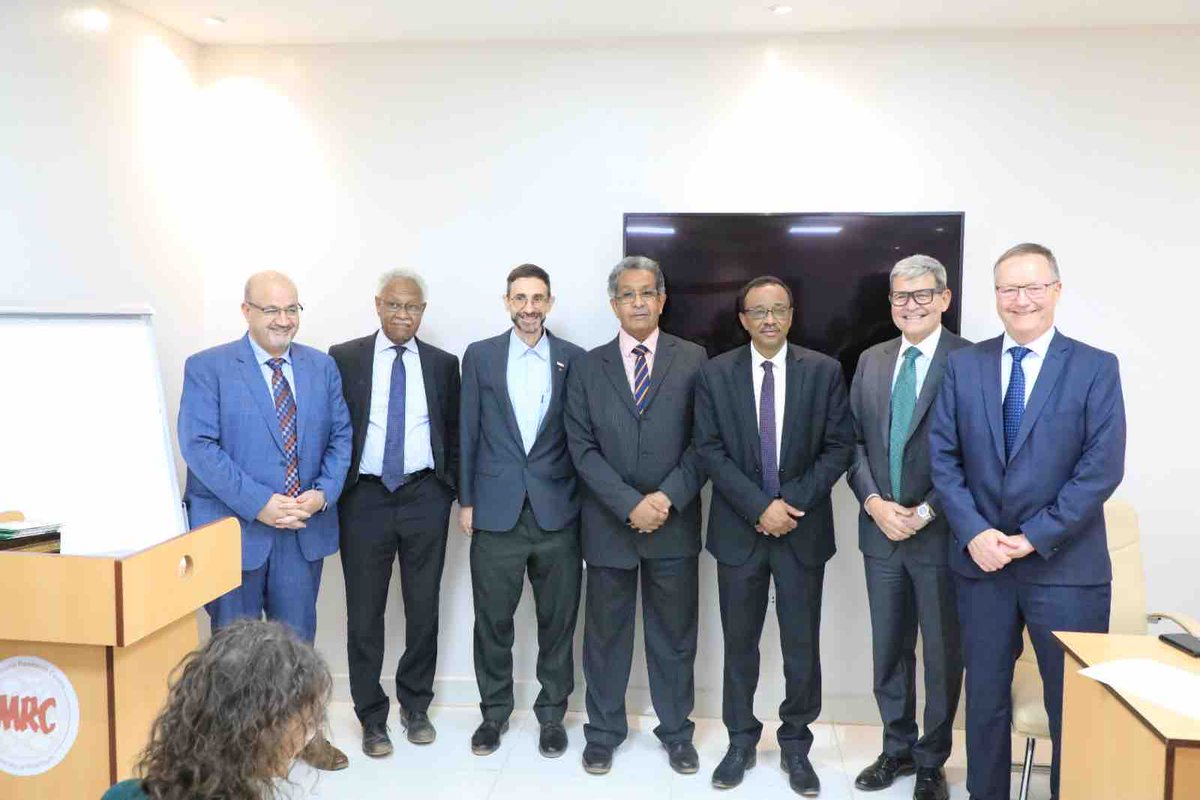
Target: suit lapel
{"points": [[989, 380], [1047, 379], [742, 386], [929, 389], [432, 395], [252, 375], [360, 391], [500, 363], [662, 363], [615, 370], [794, 427], [885, 368], [304, 392], [558, 377]]}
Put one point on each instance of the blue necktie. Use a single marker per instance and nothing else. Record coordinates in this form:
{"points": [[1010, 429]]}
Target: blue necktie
{"points": [[641, 377], [766, 431], [393, 444], [904, 403], [1014, 399]]}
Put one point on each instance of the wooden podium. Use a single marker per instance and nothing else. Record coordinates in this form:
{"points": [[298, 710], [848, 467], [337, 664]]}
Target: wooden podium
{"points": [[115, 628], [1118, 746]]}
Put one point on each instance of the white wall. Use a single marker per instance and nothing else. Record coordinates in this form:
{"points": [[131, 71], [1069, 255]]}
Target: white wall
{"points": [[461, 160]]}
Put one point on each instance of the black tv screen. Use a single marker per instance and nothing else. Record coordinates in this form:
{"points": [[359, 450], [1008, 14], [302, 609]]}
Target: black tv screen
{"points": [[836, 265]]}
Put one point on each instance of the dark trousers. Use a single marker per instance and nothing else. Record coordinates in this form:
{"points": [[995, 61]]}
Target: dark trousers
{"points": [[378, 526], [904, 595], [992, 612], [670, 613], [499, 561], [744, 591]]}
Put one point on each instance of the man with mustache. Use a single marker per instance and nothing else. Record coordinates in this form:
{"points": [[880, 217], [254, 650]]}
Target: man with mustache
{"points": [[520, 506], [266, 437]]}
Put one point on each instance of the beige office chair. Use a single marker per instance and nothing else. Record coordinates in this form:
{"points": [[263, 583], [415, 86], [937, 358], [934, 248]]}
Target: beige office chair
{"points": [[1128, 615]]}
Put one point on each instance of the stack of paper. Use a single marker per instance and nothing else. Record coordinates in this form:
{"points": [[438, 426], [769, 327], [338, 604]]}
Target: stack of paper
{"points": [[19, 529], [1162, 684]]}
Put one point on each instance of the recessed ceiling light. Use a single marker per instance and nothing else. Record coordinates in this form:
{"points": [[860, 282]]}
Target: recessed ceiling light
{"points": [[92, 19], [780, 9], [215, 20]]}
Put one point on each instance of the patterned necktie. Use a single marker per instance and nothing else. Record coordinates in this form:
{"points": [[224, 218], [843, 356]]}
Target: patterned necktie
{"points": [[393, 443], [285, 410], [766, 431], [641, 377], [904, 402], [1014, 398]]}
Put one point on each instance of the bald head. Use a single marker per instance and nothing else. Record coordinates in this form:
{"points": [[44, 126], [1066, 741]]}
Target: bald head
{"points": [[260, 281], [271, 307]]}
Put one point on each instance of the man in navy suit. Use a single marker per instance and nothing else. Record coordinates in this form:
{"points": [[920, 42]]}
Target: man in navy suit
{"points": [[520, 506], [266, 437], [1027, 442]]}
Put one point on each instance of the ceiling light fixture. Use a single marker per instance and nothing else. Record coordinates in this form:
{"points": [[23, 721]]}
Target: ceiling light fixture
{"points": [[815, 230], [780, 9], [650, 230]]}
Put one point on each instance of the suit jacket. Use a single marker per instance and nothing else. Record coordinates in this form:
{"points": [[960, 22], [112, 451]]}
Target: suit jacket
{"points": [[1068, 458], [355, 361], [496, 474], [871, 406], [622, 456], [229, 436], [817, 446]]}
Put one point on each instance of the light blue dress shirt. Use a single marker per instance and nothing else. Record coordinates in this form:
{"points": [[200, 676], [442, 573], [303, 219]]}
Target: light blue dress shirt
{"points": [[262, 357], [529, 385], [418, 450]]}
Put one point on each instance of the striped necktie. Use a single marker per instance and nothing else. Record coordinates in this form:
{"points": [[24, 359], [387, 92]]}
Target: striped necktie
{"points": [[285, 410], [641, 377]]}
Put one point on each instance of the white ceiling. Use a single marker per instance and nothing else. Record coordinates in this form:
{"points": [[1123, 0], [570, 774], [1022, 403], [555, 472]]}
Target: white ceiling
{"points": [[330, 21]]}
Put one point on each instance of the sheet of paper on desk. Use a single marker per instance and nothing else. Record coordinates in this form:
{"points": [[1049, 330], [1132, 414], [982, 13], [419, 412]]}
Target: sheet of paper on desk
{"points": [[1161, 684]]}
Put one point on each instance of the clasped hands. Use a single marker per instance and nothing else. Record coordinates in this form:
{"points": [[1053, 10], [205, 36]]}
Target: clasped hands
{"points": [[993, 550], [650, 513], [778, 519], [896, 521], [290, 513]]}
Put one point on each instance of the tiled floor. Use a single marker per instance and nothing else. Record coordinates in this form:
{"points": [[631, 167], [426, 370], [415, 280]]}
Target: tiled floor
{"points": [[448, 769]]}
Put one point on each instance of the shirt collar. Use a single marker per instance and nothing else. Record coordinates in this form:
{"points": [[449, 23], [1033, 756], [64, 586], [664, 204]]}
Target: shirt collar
{"points": [[517, 348], [927, 347], [627, 342], [779, 359], [382, 342], [262, 356], [1039, 346]]}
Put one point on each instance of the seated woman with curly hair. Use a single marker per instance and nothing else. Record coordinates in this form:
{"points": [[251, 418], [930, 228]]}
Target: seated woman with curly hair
{"points": [[240, 711]]}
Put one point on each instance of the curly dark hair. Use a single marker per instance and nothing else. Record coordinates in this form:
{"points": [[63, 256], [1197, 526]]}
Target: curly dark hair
{"points": [[239, 709]]}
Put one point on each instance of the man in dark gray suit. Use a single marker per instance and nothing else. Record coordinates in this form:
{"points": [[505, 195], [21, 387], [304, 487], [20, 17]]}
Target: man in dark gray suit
{"points": [[520, 505], [902, 533], [629, 426]]}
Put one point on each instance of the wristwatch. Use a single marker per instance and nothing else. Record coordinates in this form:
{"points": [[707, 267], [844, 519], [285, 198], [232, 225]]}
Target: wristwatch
{"points": [[925, 512]]}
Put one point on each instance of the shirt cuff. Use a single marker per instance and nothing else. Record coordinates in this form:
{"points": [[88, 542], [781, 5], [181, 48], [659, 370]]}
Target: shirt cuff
{"points": [[872, 494]]}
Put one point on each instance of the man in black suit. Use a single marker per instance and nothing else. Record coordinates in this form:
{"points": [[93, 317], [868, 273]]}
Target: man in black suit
{"points": [[520, 506], [774, 430], [629, 427], [903, 534], [403, 399]]}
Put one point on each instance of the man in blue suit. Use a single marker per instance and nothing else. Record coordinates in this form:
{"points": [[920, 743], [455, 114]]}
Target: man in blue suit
{"points": [[520, 506], [266, 437], [1027, 442]]}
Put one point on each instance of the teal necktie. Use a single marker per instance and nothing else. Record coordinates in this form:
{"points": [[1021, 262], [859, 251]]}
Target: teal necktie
{"points": [[904, 402]]}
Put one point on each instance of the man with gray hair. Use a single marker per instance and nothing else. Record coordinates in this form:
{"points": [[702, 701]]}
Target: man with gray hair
{"points": [[629, 429], [403, 400], [903, 534]]}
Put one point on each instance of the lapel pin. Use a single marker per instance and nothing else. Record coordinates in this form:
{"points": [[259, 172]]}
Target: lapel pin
{"points": [[561, 365]]}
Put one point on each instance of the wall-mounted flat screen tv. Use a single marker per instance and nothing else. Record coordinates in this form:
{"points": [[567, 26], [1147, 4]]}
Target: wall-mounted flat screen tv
{"points": [[836, 265]]}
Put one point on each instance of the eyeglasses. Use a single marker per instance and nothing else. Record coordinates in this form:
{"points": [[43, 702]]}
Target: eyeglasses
{"points": [[1034, 291], [413, 309], [274, 311], [758, 313], [522, 299], [921, 297], [631, 297]]}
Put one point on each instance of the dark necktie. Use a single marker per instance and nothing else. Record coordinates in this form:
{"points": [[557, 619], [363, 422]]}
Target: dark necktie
{"points": [[285, 410], [393, 443], [904, 402], [641, 377], [766, 431], [1014, 399]]}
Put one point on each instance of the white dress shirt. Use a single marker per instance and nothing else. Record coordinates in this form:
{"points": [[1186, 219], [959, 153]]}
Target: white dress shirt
{"points": [[529, 385], [1031, 364], [927, 348], [418, 451], [779, 360], [262, 357]]}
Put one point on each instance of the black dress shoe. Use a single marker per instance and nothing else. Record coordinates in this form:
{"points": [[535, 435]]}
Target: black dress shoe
{"points": [[597, 758], [931, 784], [552, 742], [683, 757], [733, 766], [486, 738], [801, 775], [883, 772], [375, 739], [418, 727]]}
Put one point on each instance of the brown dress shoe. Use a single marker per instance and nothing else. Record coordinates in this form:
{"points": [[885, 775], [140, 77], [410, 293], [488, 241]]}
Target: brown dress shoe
{"points": [[320, 754]]}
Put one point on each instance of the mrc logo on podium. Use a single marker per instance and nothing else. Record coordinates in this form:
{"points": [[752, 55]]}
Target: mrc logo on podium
{"points": [[39, 715]]}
